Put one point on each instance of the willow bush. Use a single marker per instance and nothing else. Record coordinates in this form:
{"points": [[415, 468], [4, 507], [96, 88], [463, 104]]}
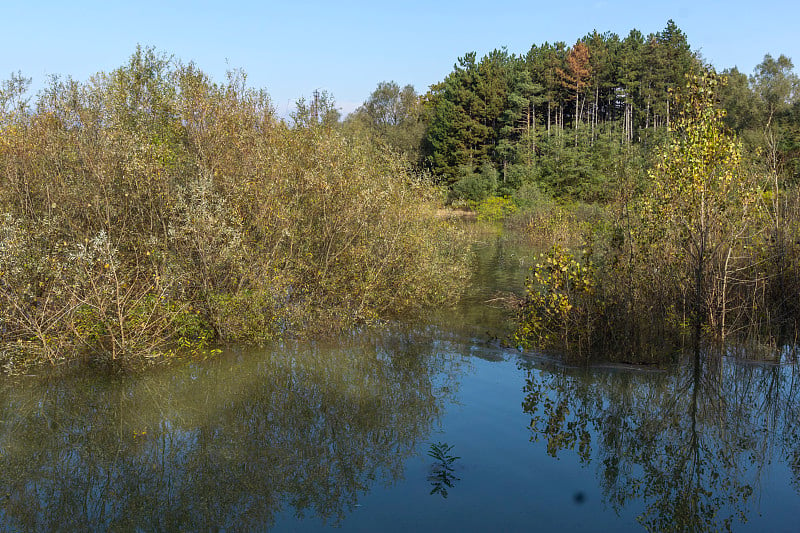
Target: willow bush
{"points": [[149, 212]]}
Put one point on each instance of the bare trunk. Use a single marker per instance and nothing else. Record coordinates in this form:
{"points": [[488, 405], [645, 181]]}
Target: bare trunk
{"points": [[700, 260], [548, 117], [724, 296], [533, 137], [577, 115], [596, 109]]}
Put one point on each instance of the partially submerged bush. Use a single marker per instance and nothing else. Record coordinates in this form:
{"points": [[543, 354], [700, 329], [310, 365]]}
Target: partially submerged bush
{"points": [[559, 306], [701, 251], [149, 212]]}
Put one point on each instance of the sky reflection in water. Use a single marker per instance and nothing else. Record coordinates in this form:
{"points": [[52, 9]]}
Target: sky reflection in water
{"points": [[309, 436]]}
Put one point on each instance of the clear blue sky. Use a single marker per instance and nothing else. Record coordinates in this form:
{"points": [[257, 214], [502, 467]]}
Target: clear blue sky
{"points": [[347, 47]]}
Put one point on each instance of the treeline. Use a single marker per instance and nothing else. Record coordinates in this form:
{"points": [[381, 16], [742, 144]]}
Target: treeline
{"points": [[557, 116], [572, 119], [150, 212]]}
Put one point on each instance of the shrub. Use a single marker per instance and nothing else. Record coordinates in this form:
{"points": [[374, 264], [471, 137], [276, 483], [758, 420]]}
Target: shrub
{"points": [[150, 212], [495, 208], [559, 306], [476, 186], [699, 251]]}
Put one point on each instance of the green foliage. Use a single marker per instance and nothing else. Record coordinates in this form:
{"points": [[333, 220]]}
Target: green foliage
{"points": [[570, 116], [475, 186], [530, 196], [702, 200], [549, 222], [393, 117], [12, 95], [321, 110], [575, 119], [581, 168], [686, 253], [513, 177], [245, 316]]}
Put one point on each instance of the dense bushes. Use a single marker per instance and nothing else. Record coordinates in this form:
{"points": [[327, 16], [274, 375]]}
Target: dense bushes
{"points": [[707, 248], [150, 211]]}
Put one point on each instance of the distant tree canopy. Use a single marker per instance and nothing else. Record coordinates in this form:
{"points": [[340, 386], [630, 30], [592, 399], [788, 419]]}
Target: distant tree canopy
{"points": [[320, 110], [393, 117], [571, 119], [765, 110], [508, 110]]}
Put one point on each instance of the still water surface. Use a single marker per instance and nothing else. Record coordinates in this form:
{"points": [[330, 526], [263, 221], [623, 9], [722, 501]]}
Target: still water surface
{"points": [[430, 426]]}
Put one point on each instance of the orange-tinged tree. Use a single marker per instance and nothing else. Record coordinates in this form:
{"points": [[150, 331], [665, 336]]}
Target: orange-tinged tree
{"points": [[578, 74]]}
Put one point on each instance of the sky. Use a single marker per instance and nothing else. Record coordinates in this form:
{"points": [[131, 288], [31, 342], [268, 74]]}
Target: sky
{"points": [[347, 47]]}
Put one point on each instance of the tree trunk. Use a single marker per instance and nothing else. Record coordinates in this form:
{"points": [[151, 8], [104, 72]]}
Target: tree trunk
{"points": [[724, 296], [577, 116], [548, 117], [700, 263]]}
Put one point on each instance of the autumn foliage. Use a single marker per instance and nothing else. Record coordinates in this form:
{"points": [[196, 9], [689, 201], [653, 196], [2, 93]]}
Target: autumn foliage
{"points": [[150, 212]]}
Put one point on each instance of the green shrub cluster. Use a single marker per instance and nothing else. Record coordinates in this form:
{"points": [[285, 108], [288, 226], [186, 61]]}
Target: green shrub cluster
{"points": [[150, 211]]}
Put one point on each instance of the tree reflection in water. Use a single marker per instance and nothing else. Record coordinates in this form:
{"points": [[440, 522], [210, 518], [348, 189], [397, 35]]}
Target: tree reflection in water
{"points": [[220, 446], [690, 444]]}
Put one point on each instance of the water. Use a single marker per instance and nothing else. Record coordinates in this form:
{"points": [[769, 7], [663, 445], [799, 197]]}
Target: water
{"points": [[315, 436]]}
